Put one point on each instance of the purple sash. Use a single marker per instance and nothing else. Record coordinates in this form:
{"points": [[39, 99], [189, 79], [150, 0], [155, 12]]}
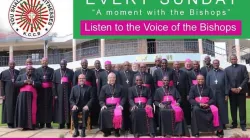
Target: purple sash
{"points": [[88, 83], [194, 82], [160, 83], [146, 85], [29, 88], [64, 80], [140, 100], [179, 115], [144, 100], [117, 119], [47, 84], [113, 101], [213, 108]]}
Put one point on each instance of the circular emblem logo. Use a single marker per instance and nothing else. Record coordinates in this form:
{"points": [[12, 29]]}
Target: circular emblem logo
{"points": [[31, 18]]}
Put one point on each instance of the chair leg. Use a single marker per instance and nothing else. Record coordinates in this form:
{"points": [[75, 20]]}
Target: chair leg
{"points": [[89, 123], [71, 126]]}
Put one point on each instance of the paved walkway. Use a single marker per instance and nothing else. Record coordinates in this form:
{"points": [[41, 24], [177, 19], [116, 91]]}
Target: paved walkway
{"points": [[56, 133]]}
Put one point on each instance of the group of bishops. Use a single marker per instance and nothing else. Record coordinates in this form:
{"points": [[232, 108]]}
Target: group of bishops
{"points": [[170, 99]]}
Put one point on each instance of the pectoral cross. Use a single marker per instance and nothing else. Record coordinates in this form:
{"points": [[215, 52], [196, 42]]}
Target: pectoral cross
{"points": [[177, 83], [12, 80], [44, 77], [112, 98], [216, 81], [167, 98], [200, 98], [127, 81], [139, 102]]}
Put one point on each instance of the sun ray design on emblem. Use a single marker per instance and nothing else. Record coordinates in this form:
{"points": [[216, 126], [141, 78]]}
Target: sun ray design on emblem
{"points": [[31, 15]]}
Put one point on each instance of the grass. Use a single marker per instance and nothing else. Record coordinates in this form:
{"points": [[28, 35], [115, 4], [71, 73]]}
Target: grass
{"points": [[229, 115]]}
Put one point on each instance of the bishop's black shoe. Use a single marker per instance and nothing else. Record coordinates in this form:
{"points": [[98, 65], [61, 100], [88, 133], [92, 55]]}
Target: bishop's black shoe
{"points": [[48, 125], [220, 134], [233, 126], [152, 135], [41, 125], [83, 134], [61, 126], [117, 133], [136, 135], [106, 134], [10, 125], [76, 133], [243, 128], [197, 135], [68, 126]]}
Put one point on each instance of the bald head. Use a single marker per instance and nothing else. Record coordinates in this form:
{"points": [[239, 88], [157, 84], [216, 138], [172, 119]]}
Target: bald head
{"points": [[81, 79], [188, 64], [81, 76], [164, 63], [165, 80], [135, 67], [12, 64], [233, 59], [63, 64], [63, 61], [44, 61], [84, 63], [29, 61], [157, 62], [196, 65], [200, 79], [111, 78], [138, 80], [97, 64], [216, 64], [207, 60], [143, 67], [126, 65], [84, 60]]}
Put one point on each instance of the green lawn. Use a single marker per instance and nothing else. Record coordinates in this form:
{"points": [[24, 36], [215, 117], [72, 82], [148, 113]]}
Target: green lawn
{"points": [[248, 115]]}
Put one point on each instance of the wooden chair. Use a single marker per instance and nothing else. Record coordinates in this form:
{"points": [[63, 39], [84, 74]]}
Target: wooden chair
{"points": [[80, 122]]}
